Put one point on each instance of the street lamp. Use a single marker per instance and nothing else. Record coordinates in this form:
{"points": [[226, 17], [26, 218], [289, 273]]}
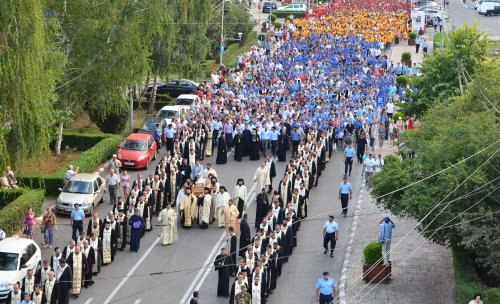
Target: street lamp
{"points": [[222, 38], [240, 34]]}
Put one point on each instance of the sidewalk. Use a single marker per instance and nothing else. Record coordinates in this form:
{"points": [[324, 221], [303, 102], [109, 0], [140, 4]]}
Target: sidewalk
{"points": [[423, 275], [398, 49]]}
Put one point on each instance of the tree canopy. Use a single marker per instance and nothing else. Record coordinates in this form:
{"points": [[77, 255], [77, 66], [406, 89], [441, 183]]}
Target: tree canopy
{"points": [[452, 130]]}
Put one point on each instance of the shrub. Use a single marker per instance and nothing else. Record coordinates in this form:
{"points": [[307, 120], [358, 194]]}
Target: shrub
{"points": [[373, 253], [402, 80], [272, 17], [286, 14], [406, 56], [397, 115], [87, 161], [412, 35], [9, 195], [110, 117], [278, 25], [468, 282], [81, 141], [264, 24], [12, 215], [438, 39]]}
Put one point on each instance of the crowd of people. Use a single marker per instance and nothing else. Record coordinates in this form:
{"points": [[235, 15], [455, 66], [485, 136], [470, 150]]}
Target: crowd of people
{"points": [[303, 94]]}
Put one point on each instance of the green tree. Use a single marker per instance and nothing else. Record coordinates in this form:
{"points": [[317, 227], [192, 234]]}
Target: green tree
{"points": [[450, 131], [28, 73], [439, 77]]}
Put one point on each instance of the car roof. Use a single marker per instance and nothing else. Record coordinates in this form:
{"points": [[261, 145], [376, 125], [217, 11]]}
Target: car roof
{"points": [[14, 244], [84, 177], [171, 108], [188, 96], [138, 136]]}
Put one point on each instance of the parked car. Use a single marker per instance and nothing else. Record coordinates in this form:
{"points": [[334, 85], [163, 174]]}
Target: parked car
{"points": [[293, 7], [137, 151], [149, 125], [268, 5], [168, 113], [175, 87], [478, 3], [187, 101], [489, 8], [17, 255], [85, 189], [430, 5]]}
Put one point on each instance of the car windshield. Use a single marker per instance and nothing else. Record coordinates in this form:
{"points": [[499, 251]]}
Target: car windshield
{"points": [[78, 187], [184, 101], [8, 261], [149, 125], [136, 145], [168, 114]]}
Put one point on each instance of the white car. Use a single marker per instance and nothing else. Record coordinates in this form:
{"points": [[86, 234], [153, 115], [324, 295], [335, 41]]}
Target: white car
{"points": [[169, 113], [489, 8], [17, 255], [188, 101], [478, 3], [85, 189], [293, 7]]}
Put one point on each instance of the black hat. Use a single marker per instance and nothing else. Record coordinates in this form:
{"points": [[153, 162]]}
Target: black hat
{"points": [[325, 273], [76, 204]]}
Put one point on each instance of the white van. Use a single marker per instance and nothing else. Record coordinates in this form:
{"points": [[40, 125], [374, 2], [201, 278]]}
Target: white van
{"points": [[489, 8], [17, 255], [188, 101]]}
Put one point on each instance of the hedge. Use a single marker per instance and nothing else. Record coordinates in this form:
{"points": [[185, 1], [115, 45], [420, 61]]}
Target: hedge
{"points": [[81, 141], [285, 14], [9, 195], [12, 215], [88, 161], [468, 282], [372, 253]]}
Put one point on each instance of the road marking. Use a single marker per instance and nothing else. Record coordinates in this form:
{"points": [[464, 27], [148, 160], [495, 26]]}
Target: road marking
{"points": [[125, 279], [89, 300], [204, 271], [138, 301]]}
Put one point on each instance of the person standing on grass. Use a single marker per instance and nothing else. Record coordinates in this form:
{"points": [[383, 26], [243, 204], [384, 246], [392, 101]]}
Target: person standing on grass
{"points": [[49, 224]]}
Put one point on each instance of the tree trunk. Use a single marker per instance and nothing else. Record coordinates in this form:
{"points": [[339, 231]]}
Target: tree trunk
{"points": [[153, 93], [145, 89], [59, 134]]}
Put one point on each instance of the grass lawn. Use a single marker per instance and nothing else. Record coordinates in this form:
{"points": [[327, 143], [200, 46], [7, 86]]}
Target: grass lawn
{"points": [[49, 162], [231, 53]]}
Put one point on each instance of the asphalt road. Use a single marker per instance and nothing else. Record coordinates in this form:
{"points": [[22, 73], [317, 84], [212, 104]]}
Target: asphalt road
{"points": [[169, 274], [466, 14]]}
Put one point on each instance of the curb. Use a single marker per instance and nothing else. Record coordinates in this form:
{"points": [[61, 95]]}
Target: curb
{"points": [[345, 266]]}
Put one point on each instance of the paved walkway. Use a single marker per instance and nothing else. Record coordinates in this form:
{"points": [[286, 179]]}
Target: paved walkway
{"points": [[423, 275], [398, 49]]}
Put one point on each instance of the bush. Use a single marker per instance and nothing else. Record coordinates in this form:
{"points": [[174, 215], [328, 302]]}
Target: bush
{"points": [[278, 25], [81, 141], [9, 195], [12, 215], [412, 35], [272, 17], [468, 282], [286, 14], [402, 80], [373, 253], [397, 115], [88, 161], [406, 56], [110, 117], [438, 39]]}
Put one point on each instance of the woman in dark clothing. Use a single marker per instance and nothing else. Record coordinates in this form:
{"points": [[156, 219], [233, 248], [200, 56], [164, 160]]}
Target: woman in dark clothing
{"points": [[221, 151]]}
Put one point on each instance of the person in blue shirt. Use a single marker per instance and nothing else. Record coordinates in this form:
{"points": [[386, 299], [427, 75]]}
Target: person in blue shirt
{"points": [[168, 134], [345, 194], [157, 136], [330, 234], [296, 137], [386, 225], [77, 221], [348, 155], [326, 290]]}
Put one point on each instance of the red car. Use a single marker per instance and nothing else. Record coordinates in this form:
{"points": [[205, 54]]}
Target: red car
{"points": [[137, 151]]}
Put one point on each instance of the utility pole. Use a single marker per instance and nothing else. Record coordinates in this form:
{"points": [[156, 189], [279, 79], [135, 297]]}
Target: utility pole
{"points": [[222, 33], [131, 123]]}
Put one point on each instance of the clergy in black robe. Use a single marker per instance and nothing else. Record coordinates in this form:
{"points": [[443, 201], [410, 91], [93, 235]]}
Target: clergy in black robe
{"points": [[271, 267], [223, 264], [272, 172], [122, 229], [261, 273], [245, 236], [64, 283], [89, 253], [71, 261], [247, 137], [95, 225], [279, 260], [137, 224], [185, 170], [38, 296], [236, 287], [255, 146], [232, 241], [108, 240], [287, 240], [239, 146], [283, 141], [262, 207], [221, 151], [15, 294]]}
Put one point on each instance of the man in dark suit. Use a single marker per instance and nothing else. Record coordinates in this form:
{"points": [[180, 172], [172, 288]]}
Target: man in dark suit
{"points": [[223, 264], [245, 235]]}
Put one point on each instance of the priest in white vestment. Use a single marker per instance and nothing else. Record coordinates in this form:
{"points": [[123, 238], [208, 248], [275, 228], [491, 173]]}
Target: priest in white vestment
{"points": [[261, 177], [168, 220]]}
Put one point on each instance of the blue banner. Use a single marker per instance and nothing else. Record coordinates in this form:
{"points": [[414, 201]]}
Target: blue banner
{"points": [[380, 101]]}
